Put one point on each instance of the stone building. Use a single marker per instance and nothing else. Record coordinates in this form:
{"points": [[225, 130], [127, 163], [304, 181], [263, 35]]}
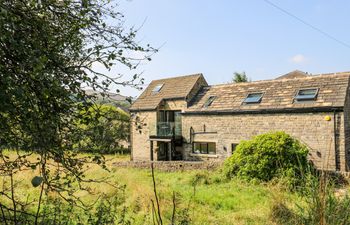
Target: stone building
{"points": [[184, 118]]}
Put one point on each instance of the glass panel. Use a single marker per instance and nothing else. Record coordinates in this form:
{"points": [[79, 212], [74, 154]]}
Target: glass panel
{"points": [[170, 116], [165, 129], [196, 148], [178, 125], [157, 88], [162, 149], [253, 98], [169, 122], [204, 148], [212, 148], [209, 101], [161, 116], [306, 94]]}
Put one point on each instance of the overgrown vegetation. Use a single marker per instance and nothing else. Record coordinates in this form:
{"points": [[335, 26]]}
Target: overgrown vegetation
{"points": [[320, 205], [49, 52], [269, 156], [201, 197], [279, 159], [103, 129]]}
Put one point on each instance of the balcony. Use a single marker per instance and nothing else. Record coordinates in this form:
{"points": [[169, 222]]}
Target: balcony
{"points": [[166, 129]]}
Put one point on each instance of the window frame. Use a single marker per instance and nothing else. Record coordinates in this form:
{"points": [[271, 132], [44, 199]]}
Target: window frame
{"points": [[200, 147], [253, 102], [311, 99], [209, 101]]}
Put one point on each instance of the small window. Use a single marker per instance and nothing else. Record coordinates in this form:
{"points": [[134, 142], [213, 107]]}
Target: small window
{"points": [[209, 101], [233, 147], [253, 98], [204, 148], [306, 94], [157, 88]]}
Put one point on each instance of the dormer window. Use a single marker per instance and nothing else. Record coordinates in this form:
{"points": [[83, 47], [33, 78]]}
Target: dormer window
{"points": [[209, 101], [157, 88], [253, 98], [309, 94]]}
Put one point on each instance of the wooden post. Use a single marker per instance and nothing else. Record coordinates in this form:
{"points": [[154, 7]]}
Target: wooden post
{"points": [[151, 150]]}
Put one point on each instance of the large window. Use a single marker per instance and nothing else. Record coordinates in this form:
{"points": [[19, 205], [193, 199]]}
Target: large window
{"points": [[204, 148]]}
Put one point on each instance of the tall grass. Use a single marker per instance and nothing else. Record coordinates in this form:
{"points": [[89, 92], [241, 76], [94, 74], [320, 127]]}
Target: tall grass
{"points": [[319, 205]]}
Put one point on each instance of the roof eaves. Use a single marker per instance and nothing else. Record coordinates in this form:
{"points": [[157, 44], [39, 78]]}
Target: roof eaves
{"points": [[267, 111], [142, 109]]}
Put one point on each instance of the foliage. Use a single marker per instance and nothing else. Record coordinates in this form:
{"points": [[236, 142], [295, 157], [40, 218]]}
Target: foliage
{"points": [[268, 156], [225, 202], [107, 210], [240, 77], [102, 129], [49, 52], [320, 205]]}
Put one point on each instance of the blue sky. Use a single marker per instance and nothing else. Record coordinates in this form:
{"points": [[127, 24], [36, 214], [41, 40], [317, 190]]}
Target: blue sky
{"points": [[217, 38]]}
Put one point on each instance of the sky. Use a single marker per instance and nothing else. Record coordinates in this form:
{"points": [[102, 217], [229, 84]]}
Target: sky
{"points": [[218, 38]]}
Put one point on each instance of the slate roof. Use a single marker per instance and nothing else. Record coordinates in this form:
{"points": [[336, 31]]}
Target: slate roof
{"points": [[277, 94], [173, 88]]}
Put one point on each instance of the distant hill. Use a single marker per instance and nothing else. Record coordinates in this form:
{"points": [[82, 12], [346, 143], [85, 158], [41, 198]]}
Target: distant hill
{"points": [[118, 100]]}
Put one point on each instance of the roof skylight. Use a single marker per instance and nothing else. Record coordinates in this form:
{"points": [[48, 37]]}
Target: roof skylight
{"points": [[209, 101], [306, 94], [157, 88], [253, 98]]}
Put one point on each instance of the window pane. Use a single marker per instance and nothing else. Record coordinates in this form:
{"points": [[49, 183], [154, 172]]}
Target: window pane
{"points": [[209, 101], [212, 148], [196, 148], [204, 148], [157, 88], [233, 147], [253, 98], [306, 94]]}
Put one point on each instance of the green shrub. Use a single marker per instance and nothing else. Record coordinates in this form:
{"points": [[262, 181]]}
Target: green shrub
{"points": [[268, 156]]}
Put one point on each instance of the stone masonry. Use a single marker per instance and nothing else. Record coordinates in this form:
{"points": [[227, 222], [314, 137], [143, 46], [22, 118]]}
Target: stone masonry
{"points": [[310, 128]]}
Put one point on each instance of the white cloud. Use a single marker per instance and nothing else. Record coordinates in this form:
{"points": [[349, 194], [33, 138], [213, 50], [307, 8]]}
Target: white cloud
{"points": [[298, 59]]}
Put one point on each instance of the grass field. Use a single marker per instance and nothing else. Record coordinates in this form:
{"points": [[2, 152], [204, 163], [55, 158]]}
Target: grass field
{"points": [[211, 199]]}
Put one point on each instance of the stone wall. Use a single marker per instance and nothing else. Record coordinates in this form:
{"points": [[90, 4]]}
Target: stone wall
{"points": [[169, 166], [310, 128], [173, 105], [347, 129], [143, 124]]}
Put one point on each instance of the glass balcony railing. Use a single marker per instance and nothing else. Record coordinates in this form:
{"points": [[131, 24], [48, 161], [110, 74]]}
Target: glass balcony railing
{"points": [[166, 129]]}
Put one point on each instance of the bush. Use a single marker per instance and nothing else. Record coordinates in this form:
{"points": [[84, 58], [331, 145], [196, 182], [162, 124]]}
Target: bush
{"points": [[268, 156]]}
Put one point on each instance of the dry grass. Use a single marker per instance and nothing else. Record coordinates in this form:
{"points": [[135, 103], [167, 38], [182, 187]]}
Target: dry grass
{"points": [[215, 202]]}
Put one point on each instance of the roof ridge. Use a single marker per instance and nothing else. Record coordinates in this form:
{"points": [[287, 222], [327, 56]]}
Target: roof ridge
{"points": [[310, 76], [177, 77]]}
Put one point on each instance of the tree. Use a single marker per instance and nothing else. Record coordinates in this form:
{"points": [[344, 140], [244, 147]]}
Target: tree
{"points": [[48, 50], [102, 130], [240, 77]]}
